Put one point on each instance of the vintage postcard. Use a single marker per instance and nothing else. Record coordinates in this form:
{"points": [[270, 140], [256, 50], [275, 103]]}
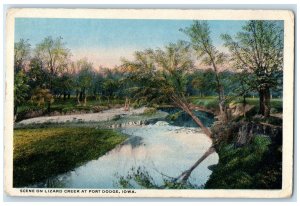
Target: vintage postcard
{"points": [[149, 103]]}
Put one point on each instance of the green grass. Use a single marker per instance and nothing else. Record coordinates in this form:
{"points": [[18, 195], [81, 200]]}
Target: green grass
{"points": [[276, 104], [254, 166], [46, 152], [211, 102]]}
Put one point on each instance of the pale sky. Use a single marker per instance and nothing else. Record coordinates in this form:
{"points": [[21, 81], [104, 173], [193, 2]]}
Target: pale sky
{"points": [[105, 41]]}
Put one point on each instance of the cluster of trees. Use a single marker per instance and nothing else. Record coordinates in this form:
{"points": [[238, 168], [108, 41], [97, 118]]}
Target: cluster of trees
{"points": [[46, 72], [255, 53]]}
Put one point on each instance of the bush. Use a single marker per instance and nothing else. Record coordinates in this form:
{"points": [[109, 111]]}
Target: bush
{"points": [[174, 116], [150, 111]]}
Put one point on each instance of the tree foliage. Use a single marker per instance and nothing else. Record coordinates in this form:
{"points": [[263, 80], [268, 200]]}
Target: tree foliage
{"points": [[258, 49], [54, 57], [21, 87], [200, 39], [21, 54], [162, 73]]}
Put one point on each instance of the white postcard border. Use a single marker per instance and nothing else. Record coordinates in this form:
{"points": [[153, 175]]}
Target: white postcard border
{"points": [[288, 95]]}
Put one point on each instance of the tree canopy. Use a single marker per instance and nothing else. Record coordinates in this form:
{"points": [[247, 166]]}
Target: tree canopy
{"points": [[258, 49]]}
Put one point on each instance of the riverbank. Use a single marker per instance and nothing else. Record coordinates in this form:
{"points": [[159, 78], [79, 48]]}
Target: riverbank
{"points": [[251, 152], [105, 115], [151, 134], [46, 152]]}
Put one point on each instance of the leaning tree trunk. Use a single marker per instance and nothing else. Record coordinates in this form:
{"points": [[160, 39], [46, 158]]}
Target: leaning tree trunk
{"points": [[181, 103], [186, 174], [183, 177], [198, 122]]}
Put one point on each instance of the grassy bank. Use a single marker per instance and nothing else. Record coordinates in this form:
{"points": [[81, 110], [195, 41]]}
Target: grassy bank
{"points": [[45, 152], [250, 167], [211, 102], [256, 164]]}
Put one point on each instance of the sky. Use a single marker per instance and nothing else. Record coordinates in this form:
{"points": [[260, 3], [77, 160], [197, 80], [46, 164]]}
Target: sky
{"points": [[105, 41]]}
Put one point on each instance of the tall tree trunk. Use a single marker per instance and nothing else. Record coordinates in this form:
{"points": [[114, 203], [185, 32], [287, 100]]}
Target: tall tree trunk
{"points": [[81, 95], [65, 96], [84, 97], [77, 93], [220, 89], [78, 99], [49, 107], [264, 102], [267, 104], [261, 102], [84, 103]]}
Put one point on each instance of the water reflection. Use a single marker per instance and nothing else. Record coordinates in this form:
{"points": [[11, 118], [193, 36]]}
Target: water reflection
{"points": [[159, 147]]}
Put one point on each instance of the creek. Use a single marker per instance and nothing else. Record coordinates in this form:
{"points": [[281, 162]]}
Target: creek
{"points": [[167, 142]]}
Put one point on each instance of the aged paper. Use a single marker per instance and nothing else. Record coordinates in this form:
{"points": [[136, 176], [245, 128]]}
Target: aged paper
{"points": [[53, 56]]}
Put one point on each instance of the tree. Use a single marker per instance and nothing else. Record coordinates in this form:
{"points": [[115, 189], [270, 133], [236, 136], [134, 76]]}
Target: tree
{"points": [[65, 84], [198, 83], [37, 77], [258, 49], [20, 90], [41, 96], [203, 80], [97, 85], [163, 74], [110, 85], [54, 57], [21, 57], [240, 86], [84, 79], [199, 34]]}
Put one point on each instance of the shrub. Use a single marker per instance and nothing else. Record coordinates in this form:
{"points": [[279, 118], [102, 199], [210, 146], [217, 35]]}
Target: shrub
{"points": [[150, 111]]}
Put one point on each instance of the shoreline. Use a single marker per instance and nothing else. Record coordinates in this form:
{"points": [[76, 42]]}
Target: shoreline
{"points": [[105, 115]]}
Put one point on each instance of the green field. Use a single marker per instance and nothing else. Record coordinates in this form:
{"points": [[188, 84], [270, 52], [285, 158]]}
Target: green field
{"points": [[46, 152]]}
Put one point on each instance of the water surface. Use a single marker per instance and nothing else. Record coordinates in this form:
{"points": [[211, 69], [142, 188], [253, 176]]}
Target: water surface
{"points": [[160, 148]]}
